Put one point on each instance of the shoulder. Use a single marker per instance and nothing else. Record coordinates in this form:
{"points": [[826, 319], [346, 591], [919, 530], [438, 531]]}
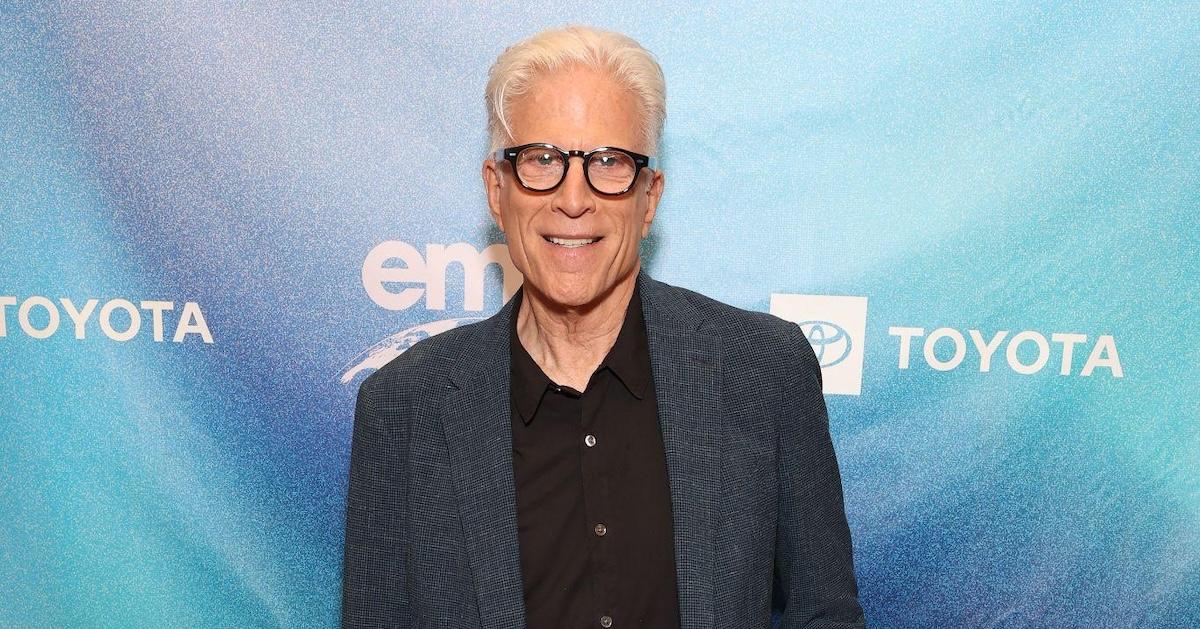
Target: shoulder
{"points": [[750, 334], [730, 322]]}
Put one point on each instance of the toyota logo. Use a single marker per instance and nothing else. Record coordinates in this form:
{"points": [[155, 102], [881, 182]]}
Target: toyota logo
{"points": [[830, 342]]}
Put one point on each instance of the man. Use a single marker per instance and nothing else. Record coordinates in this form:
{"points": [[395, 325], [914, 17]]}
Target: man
{"points": [[607, 450]]}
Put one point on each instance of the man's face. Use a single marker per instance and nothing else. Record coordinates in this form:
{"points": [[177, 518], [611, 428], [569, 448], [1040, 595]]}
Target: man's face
{"points": [[574, 109]]}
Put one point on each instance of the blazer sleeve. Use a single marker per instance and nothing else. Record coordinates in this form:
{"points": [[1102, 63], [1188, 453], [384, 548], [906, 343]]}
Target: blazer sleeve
{"points": [[373, 570], [814, 567]]}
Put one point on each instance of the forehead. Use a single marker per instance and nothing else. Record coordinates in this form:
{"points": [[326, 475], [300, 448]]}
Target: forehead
{"points": [[577, 108]]}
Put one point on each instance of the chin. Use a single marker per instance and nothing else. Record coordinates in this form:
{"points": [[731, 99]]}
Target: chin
{"points": [[571, 298], [572, 293]]}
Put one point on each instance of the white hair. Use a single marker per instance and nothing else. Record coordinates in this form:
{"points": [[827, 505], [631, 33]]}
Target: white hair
{"points": [[631, 66]]}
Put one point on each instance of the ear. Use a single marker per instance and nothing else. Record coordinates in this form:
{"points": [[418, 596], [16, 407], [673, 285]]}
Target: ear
{"points": [[492, 181], [654, 193]]}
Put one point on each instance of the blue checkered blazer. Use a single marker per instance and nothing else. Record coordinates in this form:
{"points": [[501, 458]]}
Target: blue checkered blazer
{"points": [[431, 521]]}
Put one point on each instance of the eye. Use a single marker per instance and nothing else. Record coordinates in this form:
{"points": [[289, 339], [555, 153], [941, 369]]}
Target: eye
{"points": [[538, 158], [607, 160]]}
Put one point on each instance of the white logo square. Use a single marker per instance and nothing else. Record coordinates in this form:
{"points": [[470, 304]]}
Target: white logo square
{"points": [[836, 328]]}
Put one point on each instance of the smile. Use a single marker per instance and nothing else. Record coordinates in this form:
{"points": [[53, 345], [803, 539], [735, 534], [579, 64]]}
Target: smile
{"points": [[571, 242]]}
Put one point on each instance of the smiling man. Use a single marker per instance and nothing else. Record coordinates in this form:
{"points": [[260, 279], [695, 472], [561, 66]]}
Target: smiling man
{"points": [[607, 450]]}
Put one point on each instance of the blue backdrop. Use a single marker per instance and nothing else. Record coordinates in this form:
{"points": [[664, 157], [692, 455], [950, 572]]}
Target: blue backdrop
{"points": [[218, 217]]}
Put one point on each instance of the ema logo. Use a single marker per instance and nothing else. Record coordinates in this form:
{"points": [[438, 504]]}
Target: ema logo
{"points": [[396, 276], [836, 327]]}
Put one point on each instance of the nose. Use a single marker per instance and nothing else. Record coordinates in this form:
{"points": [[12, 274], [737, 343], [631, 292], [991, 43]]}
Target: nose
{"points": [[574, 198]]}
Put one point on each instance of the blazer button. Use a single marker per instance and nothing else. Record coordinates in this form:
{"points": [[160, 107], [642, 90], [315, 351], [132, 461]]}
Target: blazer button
{"points": [[590, 440], [606, 621], [600, 531]]}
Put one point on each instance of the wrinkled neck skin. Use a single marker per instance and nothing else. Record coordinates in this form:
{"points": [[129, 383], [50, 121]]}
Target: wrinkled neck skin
{"points": [[569, 342]]}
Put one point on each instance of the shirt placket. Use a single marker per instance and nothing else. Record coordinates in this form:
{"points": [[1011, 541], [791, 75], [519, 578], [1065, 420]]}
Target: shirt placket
{"points": [[595, 464]]}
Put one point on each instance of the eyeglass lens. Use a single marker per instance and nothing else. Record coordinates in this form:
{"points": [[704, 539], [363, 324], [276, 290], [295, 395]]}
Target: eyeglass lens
{"points": [[609, 172]]}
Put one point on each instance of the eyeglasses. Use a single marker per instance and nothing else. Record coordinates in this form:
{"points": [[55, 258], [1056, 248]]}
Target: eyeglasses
{"points": [[608, 170]]}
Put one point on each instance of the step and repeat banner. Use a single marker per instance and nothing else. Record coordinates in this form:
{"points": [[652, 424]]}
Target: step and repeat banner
{"points": [[217, 218]]}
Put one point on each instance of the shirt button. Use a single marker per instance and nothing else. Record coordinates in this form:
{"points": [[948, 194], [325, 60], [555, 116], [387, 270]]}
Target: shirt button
{"points": [[590, 440], [601, 530], [606, 621]]}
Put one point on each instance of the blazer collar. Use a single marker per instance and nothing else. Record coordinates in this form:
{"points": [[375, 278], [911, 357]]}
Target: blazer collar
{"points": [[686, 367]]}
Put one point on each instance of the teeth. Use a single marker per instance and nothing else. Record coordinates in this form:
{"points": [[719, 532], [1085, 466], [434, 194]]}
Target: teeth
{"points": [[571, 242]]}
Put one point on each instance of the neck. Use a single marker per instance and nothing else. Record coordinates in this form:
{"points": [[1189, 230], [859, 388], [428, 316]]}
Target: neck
{"points": [[568, 343]]}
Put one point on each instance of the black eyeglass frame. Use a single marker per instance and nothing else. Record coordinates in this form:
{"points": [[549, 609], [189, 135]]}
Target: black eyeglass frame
{"points": [[640, 161]]}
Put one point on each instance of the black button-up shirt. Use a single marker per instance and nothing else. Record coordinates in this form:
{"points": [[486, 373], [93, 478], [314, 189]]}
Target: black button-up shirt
{"points": [[593, 501]]}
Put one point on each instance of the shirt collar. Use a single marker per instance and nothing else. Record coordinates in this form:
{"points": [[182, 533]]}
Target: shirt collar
{"points": [[628, 359]]}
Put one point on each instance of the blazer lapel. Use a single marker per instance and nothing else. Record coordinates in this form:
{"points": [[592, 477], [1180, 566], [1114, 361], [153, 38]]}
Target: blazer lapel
{"points": [[685, 362], [475, 416]]}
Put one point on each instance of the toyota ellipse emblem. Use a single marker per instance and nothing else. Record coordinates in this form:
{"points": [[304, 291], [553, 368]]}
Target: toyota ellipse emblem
{"points": [[829, 340]]}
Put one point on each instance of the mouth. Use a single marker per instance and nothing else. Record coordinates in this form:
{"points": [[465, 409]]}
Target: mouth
{"points": [[572, 243]]}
